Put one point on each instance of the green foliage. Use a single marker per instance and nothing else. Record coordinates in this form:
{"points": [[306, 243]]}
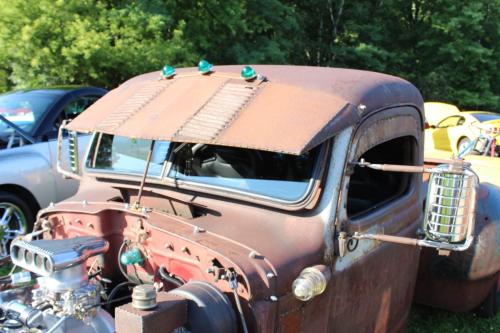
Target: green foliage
{"points": [[87, 42], [449, 48]]}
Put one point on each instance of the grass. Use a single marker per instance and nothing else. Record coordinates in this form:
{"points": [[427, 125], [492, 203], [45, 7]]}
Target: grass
{"points": [[428, 320]]}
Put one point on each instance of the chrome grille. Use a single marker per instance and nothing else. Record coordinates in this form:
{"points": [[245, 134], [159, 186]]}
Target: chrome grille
{"points": [[450, 212]]}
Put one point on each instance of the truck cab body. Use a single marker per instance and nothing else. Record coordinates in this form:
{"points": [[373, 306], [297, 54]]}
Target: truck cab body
{"points": [[242, 184]]}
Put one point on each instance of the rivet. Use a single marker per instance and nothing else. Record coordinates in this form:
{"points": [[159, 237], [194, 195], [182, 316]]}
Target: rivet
{"points": [[270, 275], [273, 298], [84, 203], [198, 230]]}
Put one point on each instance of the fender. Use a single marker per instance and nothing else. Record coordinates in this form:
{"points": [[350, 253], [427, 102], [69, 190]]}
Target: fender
{"points": [[28, 167], [461, 281]]}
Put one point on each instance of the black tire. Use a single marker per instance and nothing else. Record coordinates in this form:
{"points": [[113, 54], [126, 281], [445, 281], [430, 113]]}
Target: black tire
{"points": [[489, 308], [7, 198]]}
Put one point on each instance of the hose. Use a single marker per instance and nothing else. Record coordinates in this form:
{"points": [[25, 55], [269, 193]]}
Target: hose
{"points": [[115, 290], [164, 276]]}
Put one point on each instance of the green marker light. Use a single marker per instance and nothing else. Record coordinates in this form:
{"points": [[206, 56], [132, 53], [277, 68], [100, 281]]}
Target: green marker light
{"points": [[248, 73], [168, 71], [204, 67]]}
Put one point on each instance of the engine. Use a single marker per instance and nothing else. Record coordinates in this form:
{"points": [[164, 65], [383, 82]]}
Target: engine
{"points": [[63, 299], [69, 296]]}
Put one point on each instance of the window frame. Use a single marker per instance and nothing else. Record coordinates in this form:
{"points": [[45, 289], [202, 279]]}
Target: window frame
{"points": [[308, 200], [410, 125], [452, 116]]}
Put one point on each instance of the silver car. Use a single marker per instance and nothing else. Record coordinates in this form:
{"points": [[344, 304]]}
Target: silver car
{"points": [[29, 122]]}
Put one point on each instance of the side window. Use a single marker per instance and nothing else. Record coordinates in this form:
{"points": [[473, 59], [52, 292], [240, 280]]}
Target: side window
{"points": [[71, 110], [369, 188], [75, 107], [451, 121]]}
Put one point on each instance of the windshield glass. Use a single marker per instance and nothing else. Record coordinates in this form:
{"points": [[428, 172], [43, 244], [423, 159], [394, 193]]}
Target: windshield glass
{"points": [[25, 109], [482, 117], [260, 173]]}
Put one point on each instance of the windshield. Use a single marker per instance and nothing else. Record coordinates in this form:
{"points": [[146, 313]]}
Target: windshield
{"points": [[25, 109], [482, 117], [260, 173]]}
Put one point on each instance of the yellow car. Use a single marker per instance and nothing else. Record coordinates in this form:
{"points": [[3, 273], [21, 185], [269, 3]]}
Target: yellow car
{"points": [[453, 130]]}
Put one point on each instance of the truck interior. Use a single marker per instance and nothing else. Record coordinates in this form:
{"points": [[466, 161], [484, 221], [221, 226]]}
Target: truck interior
{"points": [[369, 188]]}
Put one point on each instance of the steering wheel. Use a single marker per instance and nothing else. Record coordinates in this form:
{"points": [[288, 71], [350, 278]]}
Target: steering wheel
{"points": [[218, 161]]}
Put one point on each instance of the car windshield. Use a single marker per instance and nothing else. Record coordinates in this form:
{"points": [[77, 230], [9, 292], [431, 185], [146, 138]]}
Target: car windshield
{"points": [[482, 117], [25, 109], [259, 173]]}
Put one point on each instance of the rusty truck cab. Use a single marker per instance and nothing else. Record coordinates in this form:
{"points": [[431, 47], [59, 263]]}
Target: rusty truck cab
{"points": [[243, 183]]}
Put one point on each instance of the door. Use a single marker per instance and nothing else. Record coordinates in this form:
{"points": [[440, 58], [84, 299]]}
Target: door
{"points": [[373, 283]]}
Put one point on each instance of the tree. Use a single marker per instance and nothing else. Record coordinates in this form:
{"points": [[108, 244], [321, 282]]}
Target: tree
{"points": [[448, 48], [86, 42]]}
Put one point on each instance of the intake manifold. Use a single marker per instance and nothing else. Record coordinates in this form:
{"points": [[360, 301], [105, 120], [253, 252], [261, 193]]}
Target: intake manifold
{"points": [[45, 257]]}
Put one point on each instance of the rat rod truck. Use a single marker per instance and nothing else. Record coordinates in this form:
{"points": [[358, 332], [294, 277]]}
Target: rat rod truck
{"points": [[278, 199]]}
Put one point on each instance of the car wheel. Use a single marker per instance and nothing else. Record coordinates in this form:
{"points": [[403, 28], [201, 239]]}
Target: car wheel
{"points": [[16, 218], [489, 307], [463, 143]]}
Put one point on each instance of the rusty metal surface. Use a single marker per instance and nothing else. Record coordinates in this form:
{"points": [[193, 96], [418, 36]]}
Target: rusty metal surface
{"points": [[169, 314], [296, 109], [438, 288], [267, 246], [461, 281], [230, 233]]}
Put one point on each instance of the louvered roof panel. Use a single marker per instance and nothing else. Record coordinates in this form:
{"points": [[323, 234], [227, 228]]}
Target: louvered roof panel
{"points": [[296, 109]]}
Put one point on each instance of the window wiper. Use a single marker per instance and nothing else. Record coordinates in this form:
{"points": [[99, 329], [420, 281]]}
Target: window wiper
{"points": [[20, 131]]}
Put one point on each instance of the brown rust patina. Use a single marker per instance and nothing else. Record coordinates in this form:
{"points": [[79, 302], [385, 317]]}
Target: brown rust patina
{"points": [[190, 229], [293, 110]]}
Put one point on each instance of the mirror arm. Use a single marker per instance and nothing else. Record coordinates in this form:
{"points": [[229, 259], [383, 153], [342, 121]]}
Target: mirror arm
{"points": [[414, 241], [456, 165], [444, 230]]}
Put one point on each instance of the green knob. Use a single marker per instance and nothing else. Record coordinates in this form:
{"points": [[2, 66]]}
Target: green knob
{"points": [[131, 257]]}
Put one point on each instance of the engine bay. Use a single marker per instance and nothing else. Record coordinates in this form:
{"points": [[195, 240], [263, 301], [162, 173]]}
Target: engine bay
{"points": [[89, 266]]}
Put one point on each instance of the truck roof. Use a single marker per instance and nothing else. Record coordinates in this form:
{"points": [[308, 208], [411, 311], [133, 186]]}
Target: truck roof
{"points": [[288, 109]]}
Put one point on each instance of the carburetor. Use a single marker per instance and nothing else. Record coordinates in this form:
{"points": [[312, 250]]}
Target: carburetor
{"points": [[64, 300]]}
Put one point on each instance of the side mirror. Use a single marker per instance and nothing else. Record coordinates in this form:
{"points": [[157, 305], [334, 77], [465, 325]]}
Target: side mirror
{"points": [[450, 207], [448, 223], [68, 163]]}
